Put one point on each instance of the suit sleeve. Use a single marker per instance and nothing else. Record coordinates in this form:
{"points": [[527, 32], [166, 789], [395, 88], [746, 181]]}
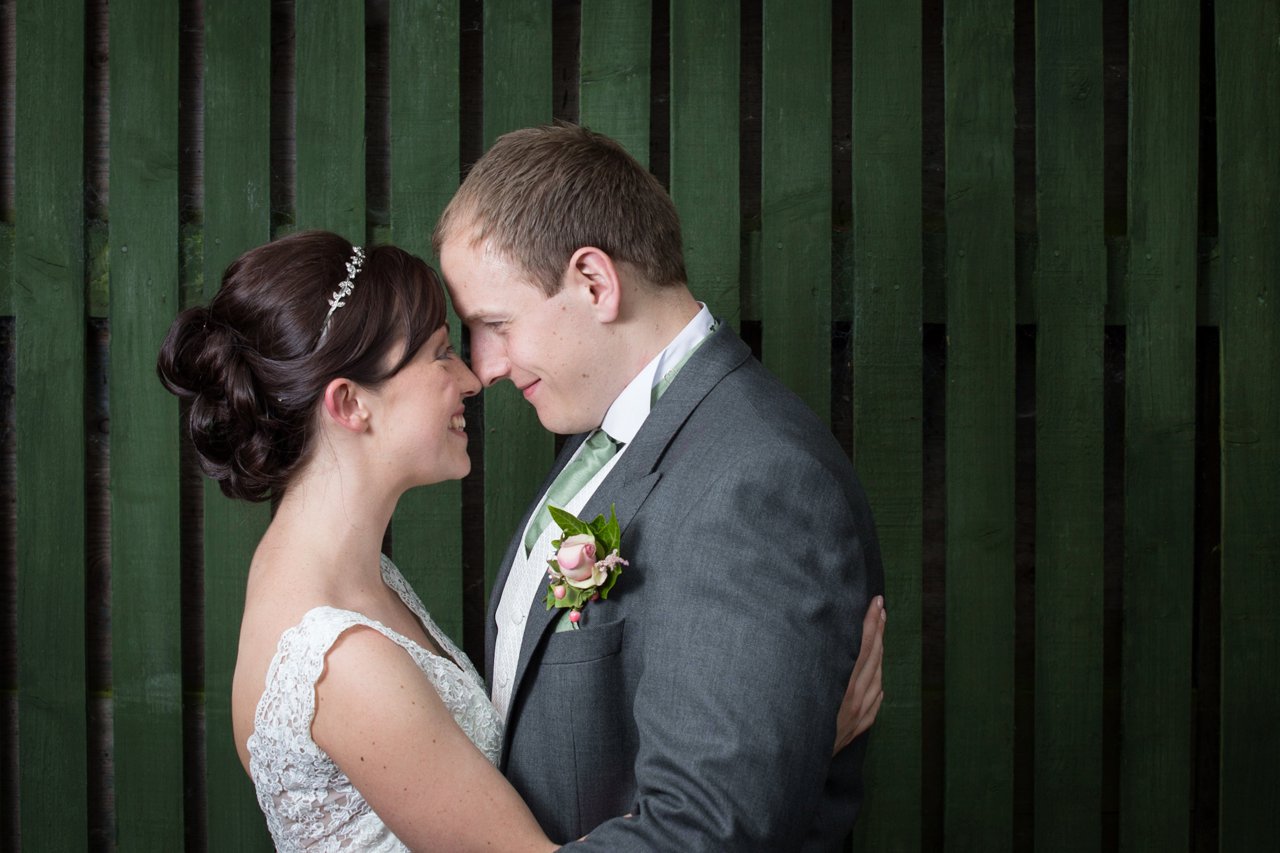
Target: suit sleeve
{"points": [[749, 634]]}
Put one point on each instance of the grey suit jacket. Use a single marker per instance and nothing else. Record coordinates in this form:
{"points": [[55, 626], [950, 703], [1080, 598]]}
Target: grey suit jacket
{"points": [[701, 696]]}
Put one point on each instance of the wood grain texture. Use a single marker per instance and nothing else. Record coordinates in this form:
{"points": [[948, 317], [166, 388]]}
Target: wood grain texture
{"points": [[1070, 294], [48, 302], [795, 198], [614, 67], [330, 117], [979, 679], [704, 165], [1160, 429], [145, 578], [888, 398], [1248, 121]]}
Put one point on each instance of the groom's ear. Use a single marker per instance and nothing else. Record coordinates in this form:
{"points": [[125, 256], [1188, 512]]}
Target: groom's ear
{"points": [[593, 272], [346, 406]]}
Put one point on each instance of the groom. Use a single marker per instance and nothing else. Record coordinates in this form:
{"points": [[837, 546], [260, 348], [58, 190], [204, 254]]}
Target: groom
{"points": [[700, 697]]}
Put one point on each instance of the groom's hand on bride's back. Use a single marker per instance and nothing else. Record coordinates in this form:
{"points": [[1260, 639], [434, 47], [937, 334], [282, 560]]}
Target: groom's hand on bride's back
{"points": [[864, 694]]}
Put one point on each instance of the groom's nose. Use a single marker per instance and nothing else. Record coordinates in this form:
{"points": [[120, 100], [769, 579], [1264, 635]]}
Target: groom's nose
{"points": [[489, 359]]}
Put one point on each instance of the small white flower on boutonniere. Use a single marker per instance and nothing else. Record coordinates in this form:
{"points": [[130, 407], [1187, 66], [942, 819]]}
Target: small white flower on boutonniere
{"points": [[578, 574]]}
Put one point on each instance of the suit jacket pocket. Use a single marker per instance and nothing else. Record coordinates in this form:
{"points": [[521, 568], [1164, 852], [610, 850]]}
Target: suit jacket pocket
{"points": [[584, 645]]}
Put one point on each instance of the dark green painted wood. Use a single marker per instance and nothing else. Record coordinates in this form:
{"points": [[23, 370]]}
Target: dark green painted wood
{"points": [[427, 527], [1160, 386], [614, 67], [517, 66], [1071, 289], [795, 198], [237, 217], [888, 398], [979, 681], [1248, 120], [146, 659], [1208, 283], [704, 150], [6, 269], [517, 93], [330, 116], [48, 301]]}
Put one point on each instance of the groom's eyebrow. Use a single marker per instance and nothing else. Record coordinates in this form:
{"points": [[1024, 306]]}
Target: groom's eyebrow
{"points": [[481, 317]]}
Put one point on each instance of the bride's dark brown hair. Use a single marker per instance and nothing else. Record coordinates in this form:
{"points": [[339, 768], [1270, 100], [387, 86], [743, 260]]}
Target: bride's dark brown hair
{"points": [[251, 366]]}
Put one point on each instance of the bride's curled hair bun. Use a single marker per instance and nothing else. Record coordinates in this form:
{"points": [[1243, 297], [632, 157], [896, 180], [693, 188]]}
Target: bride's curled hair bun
{"points": [[251, 367]]}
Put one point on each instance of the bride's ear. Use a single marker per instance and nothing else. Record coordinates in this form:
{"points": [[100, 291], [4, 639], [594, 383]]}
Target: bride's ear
{"points": [[346, 406]]}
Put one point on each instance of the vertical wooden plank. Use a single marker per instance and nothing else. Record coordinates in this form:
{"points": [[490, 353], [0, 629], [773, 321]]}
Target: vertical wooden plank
{"points": [[237, 217], [517, 93], [1160, 389], [1248, 85], [330, 123], [427, 528], [705, 55], [887, 388], [613, 92], [978, 48], [6, 267], [48, 301], [517, 66], [145, 581], [1071, 279], [795, 198]]}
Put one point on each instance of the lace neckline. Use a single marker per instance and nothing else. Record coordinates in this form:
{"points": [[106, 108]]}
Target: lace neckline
{"points": [[396, 583]]}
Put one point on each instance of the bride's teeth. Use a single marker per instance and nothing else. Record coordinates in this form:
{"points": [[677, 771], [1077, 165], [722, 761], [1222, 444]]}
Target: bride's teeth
{"points": [[457, 422]]}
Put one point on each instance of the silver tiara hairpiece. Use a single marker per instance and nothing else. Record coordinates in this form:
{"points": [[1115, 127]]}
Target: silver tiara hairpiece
{"points": [[345, 287]]}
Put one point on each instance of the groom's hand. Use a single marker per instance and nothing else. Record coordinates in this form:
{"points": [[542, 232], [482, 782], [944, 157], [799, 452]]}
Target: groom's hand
{"points": [[864, 694]]}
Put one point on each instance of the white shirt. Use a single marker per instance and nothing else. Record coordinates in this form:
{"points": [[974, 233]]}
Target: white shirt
{"points": [[528, 572]]}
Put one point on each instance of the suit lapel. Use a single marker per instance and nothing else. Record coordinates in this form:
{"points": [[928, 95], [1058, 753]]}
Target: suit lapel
{"points": [[632, 479], [508, 559]]}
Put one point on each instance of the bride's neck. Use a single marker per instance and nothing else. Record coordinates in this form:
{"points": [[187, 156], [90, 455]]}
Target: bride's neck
{"points": [[334, 516]]}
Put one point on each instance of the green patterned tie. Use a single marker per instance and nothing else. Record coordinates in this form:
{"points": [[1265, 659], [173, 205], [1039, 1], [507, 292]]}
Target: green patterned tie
{"points": [[597, 450]]}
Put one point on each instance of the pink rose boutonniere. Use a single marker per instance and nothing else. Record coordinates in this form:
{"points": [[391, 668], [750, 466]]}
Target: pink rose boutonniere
{"points": [[586, 564]]}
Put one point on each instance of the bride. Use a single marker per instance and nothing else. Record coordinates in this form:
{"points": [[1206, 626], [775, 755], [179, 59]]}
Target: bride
{"points": [[321, 374]]}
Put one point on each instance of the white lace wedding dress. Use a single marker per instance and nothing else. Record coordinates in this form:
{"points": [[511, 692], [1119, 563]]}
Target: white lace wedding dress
{"points": [[309, 803]]}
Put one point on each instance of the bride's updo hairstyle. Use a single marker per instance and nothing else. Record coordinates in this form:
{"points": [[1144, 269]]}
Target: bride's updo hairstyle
{"points": [[252, 367]]}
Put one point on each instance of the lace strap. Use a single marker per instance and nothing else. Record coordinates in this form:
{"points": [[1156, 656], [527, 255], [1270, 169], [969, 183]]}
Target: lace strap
{"points": [[396, 581], [289, 697]]}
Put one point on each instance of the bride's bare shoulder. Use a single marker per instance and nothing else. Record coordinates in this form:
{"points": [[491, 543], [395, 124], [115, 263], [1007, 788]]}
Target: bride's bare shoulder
{"points": [[277, 598]]}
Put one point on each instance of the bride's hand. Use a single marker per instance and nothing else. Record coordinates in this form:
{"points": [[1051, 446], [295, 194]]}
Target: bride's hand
{"points": [[864, 694]]}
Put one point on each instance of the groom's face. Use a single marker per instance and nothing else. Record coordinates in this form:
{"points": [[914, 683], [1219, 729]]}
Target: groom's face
{"points": [[548, 347]]}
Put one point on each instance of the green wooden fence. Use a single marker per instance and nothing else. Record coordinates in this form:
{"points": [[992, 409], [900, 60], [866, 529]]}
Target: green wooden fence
{"points": [[1044, 238]]}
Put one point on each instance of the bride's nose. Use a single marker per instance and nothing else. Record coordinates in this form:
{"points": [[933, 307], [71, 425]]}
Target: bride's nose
{"points": [[468, 381]]}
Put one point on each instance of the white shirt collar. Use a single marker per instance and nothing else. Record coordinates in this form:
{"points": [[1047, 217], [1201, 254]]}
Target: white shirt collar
{"points": [[629, 410]]}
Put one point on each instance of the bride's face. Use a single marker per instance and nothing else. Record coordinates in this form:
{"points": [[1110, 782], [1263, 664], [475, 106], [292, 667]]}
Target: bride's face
{"points": [[420, 426]]}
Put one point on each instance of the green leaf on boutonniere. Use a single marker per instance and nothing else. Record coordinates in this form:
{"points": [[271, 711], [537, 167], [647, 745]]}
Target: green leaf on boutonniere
{"points": [[574, 599], [568, 523], [607, 532], [610, 581]]}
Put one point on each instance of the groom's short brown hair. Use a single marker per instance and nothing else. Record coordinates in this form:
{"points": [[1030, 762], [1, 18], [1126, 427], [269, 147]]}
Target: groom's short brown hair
{"points": [[541, 193]]}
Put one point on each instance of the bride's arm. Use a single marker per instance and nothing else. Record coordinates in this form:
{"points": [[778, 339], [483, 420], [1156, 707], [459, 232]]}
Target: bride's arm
{"points": [[382, 722], [865, 692]]}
